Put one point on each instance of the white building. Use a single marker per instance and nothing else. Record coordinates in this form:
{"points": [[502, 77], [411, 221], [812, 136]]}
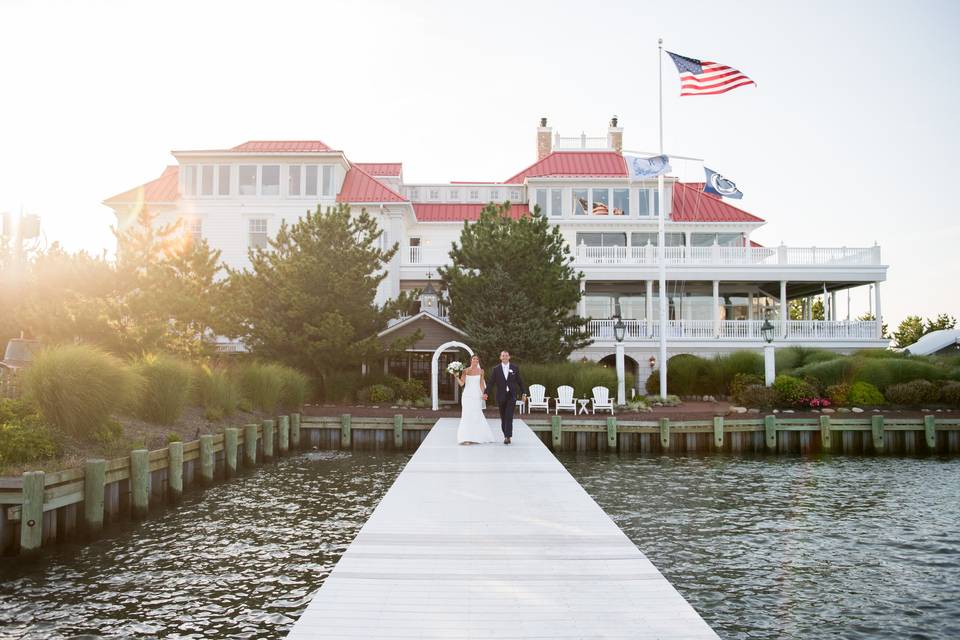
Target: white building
{"points": [[721, 285]]}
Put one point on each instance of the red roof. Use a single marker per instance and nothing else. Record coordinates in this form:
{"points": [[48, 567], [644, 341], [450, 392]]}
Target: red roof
{"points": [[381, 169], [360, 186], [452, 212], [280, 146], [691, 204], [162, 189], [575, 164]]}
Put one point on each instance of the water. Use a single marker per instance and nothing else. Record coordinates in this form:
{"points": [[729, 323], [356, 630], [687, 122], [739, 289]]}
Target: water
{"points": [[791, 547], [240, 560], [767, 547]]}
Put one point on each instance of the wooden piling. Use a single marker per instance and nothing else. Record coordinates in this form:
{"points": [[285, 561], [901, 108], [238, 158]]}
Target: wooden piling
{"points": [[930, 432], [770, 431], [612, 432], [295, 430], [826, 440], [31, 511], [250, 445], [283, 435], [718, 432], [139, 483], [556, 430], [345, 431], [268, 431], [665, 434], [231, 436], [876, 426], [175, 471], [398, 431], [94, 477], [207, 465]]}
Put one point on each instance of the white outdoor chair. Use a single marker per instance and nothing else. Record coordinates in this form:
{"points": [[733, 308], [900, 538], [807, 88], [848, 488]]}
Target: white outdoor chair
{"points": [[537, 399], [565, 399], [601, 399]]}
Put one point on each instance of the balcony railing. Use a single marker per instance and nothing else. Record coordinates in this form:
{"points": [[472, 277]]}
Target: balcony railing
{"points": [[638, 330], [717, 255]]}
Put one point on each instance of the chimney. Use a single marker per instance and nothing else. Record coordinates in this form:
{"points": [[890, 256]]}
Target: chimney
{"points": [[615, 136], [544, 140]]}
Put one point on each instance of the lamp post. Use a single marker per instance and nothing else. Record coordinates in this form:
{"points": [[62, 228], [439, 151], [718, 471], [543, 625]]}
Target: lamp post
{"points": [[619, 330], [769, 362]]}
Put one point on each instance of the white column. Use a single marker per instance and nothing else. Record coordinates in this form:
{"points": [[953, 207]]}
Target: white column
{"points": [[649, 306], [784, 309], [833, 305], [395, 235], [769, 365], [621, 376], [878, 312], [716, 308], [750, 314]]}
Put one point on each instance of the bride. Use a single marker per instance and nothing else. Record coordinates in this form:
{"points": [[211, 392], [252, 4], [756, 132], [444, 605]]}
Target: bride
{"points": [[474, 428]]}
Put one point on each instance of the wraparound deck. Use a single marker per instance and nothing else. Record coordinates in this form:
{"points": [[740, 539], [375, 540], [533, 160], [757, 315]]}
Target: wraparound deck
{"points": [[746, 330]]}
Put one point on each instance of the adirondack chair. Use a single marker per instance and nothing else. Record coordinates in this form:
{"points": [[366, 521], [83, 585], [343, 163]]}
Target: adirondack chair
{"points": [[537, 400], [601, 399], [565, 399]]}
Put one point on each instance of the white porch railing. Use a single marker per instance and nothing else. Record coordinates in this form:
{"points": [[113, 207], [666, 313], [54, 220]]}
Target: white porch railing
{"points": [[717, 255], [638, 330]]}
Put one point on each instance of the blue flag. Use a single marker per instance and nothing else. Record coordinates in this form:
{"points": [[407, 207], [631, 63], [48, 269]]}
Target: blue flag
{"points": [[639, 168], [720, 186]]}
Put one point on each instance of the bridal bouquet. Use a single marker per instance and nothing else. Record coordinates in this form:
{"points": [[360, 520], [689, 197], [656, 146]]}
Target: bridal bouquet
{"points": [[455, 368]]}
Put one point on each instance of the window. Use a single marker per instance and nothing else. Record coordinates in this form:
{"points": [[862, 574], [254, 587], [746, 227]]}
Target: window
{"points": [[672, 239], [556, 202], [601, 202], [722, 239], [542, 200], [621, 202], [206, 180], [474, 194], [602, 239], [454, 194], [310, 179], [248, 180], [327, 187], [196, 230], [415, 242], [414, 194], [643, 202], [656, 203], [190, 180], [270, 180], [434, 194], [580, 202], [494, 194], [223, 180], [515, 194], [293, 180], [258, 233]]}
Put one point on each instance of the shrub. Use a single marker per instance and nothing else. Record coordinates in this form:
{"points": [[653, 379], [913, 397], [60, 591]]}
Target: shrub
{"points": [[166, 388], [262, 385], [864, 393], [790, 358], [689, 375], [740, 383], [78, 387], [216, 391], [26, 442], [381, 393], [759, 397], [749, 363], [342, 386], [295, 388], [830, 372], [839, 394], [173, 436], [883, 372], [792, 391], [411, 389], [951, 394], [913, 393]]}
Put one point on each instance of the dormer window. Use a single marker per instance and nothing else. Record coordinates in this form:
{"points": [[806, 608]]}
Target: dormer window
{"points": [[454, 194], [248, 180], [206, 180], [293, 180], [434, 194], [327, 186], [515, 195], [494, 194], [474, 194], [223, 180], [414, 194], [270, 180], [310, 179]]}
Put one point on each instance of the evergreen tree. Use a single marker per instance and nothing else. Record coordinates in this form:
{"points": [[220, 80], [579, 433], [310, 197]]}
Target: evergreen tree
{"points": [[308, 300], [511, 287], [909, 331]]}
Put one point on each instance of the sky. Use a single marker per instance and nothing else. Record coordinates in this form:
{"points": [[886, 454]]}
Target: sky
{"points": [[847, 140]]}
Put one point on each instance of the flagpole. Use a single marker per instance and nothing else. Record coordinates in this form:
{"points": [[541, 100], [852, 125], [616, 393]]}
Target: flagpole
{"points": [[662, 289]]}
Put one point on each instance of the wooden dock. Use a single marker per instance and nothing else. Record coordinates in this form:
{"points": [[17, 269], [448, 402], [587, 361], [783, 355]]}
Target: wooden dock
{"points": [[494, 541]]}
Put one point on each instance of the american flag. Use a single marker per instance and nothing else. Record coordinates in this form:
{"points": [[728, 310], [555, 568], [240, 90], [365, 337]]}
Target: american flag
{"points": [[699, 78]]}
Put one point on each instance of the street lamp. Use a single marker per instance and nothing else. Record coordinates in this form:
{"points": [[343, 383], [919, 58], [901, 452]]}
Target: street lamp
{"points": [[619, 330], [769, 361]]}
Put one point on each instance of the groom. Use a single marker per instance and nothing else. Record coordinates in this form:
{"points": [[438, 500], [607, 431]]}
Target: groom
{"points": [[509, 385]]}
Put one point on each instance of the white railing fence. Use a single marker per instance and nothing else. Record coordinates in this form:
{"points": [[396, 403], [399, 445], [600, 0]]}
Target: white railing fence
{"points": [[737, 329], [717, 255]]}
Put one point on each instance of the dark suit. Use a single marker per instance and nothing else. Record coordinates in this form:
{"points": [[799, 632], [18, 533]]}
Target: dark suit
{"points": [[508, 390]]}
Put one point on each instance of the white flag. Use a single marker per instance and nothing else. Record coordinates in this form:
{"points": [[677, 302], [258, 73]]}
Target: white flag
{"points": [[639, 168]]}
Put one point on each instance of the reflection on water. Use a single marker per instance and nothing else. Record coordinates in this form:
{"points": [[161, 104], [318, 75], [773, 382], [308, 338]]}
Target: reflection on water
{"points": [[790, 547], [240, 560]]}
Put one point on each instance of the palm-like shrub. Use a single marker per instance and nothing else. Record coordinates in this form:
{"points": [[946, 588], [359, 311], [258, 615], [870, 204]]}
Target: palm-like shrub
{"points": [[78, 387], [166, 388]]}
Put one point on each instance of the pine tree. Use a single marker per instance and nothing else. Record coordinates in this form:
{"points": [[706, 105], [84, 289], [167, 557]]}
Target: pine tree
{"points": [[511, 287]]}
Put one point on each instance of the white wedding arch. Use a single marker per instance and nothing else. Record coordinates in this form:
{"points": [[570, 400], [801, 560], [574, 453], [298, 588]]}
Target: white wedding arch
{"points": [[434, 380]]}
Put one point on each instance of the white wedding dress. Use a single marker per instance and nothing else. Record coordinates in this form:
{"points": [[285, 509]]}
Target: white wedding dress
{"points": [[473, 424]]}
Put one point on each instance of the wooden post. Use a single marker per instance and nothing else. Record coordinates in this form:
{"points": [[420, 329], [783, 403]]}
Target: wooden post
{"points": [[206, 459], [398, 431], [612, 432], [250, 445], [295, 430], [175, 470], [283, 435], [231, 436], [139, 483], [94, 479], [930, 431], [718, 432], [876, 426], [556, 429], [345, 433], [770, 429], [826, 441], [268, 429], [31, 511], [665, 433]]}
